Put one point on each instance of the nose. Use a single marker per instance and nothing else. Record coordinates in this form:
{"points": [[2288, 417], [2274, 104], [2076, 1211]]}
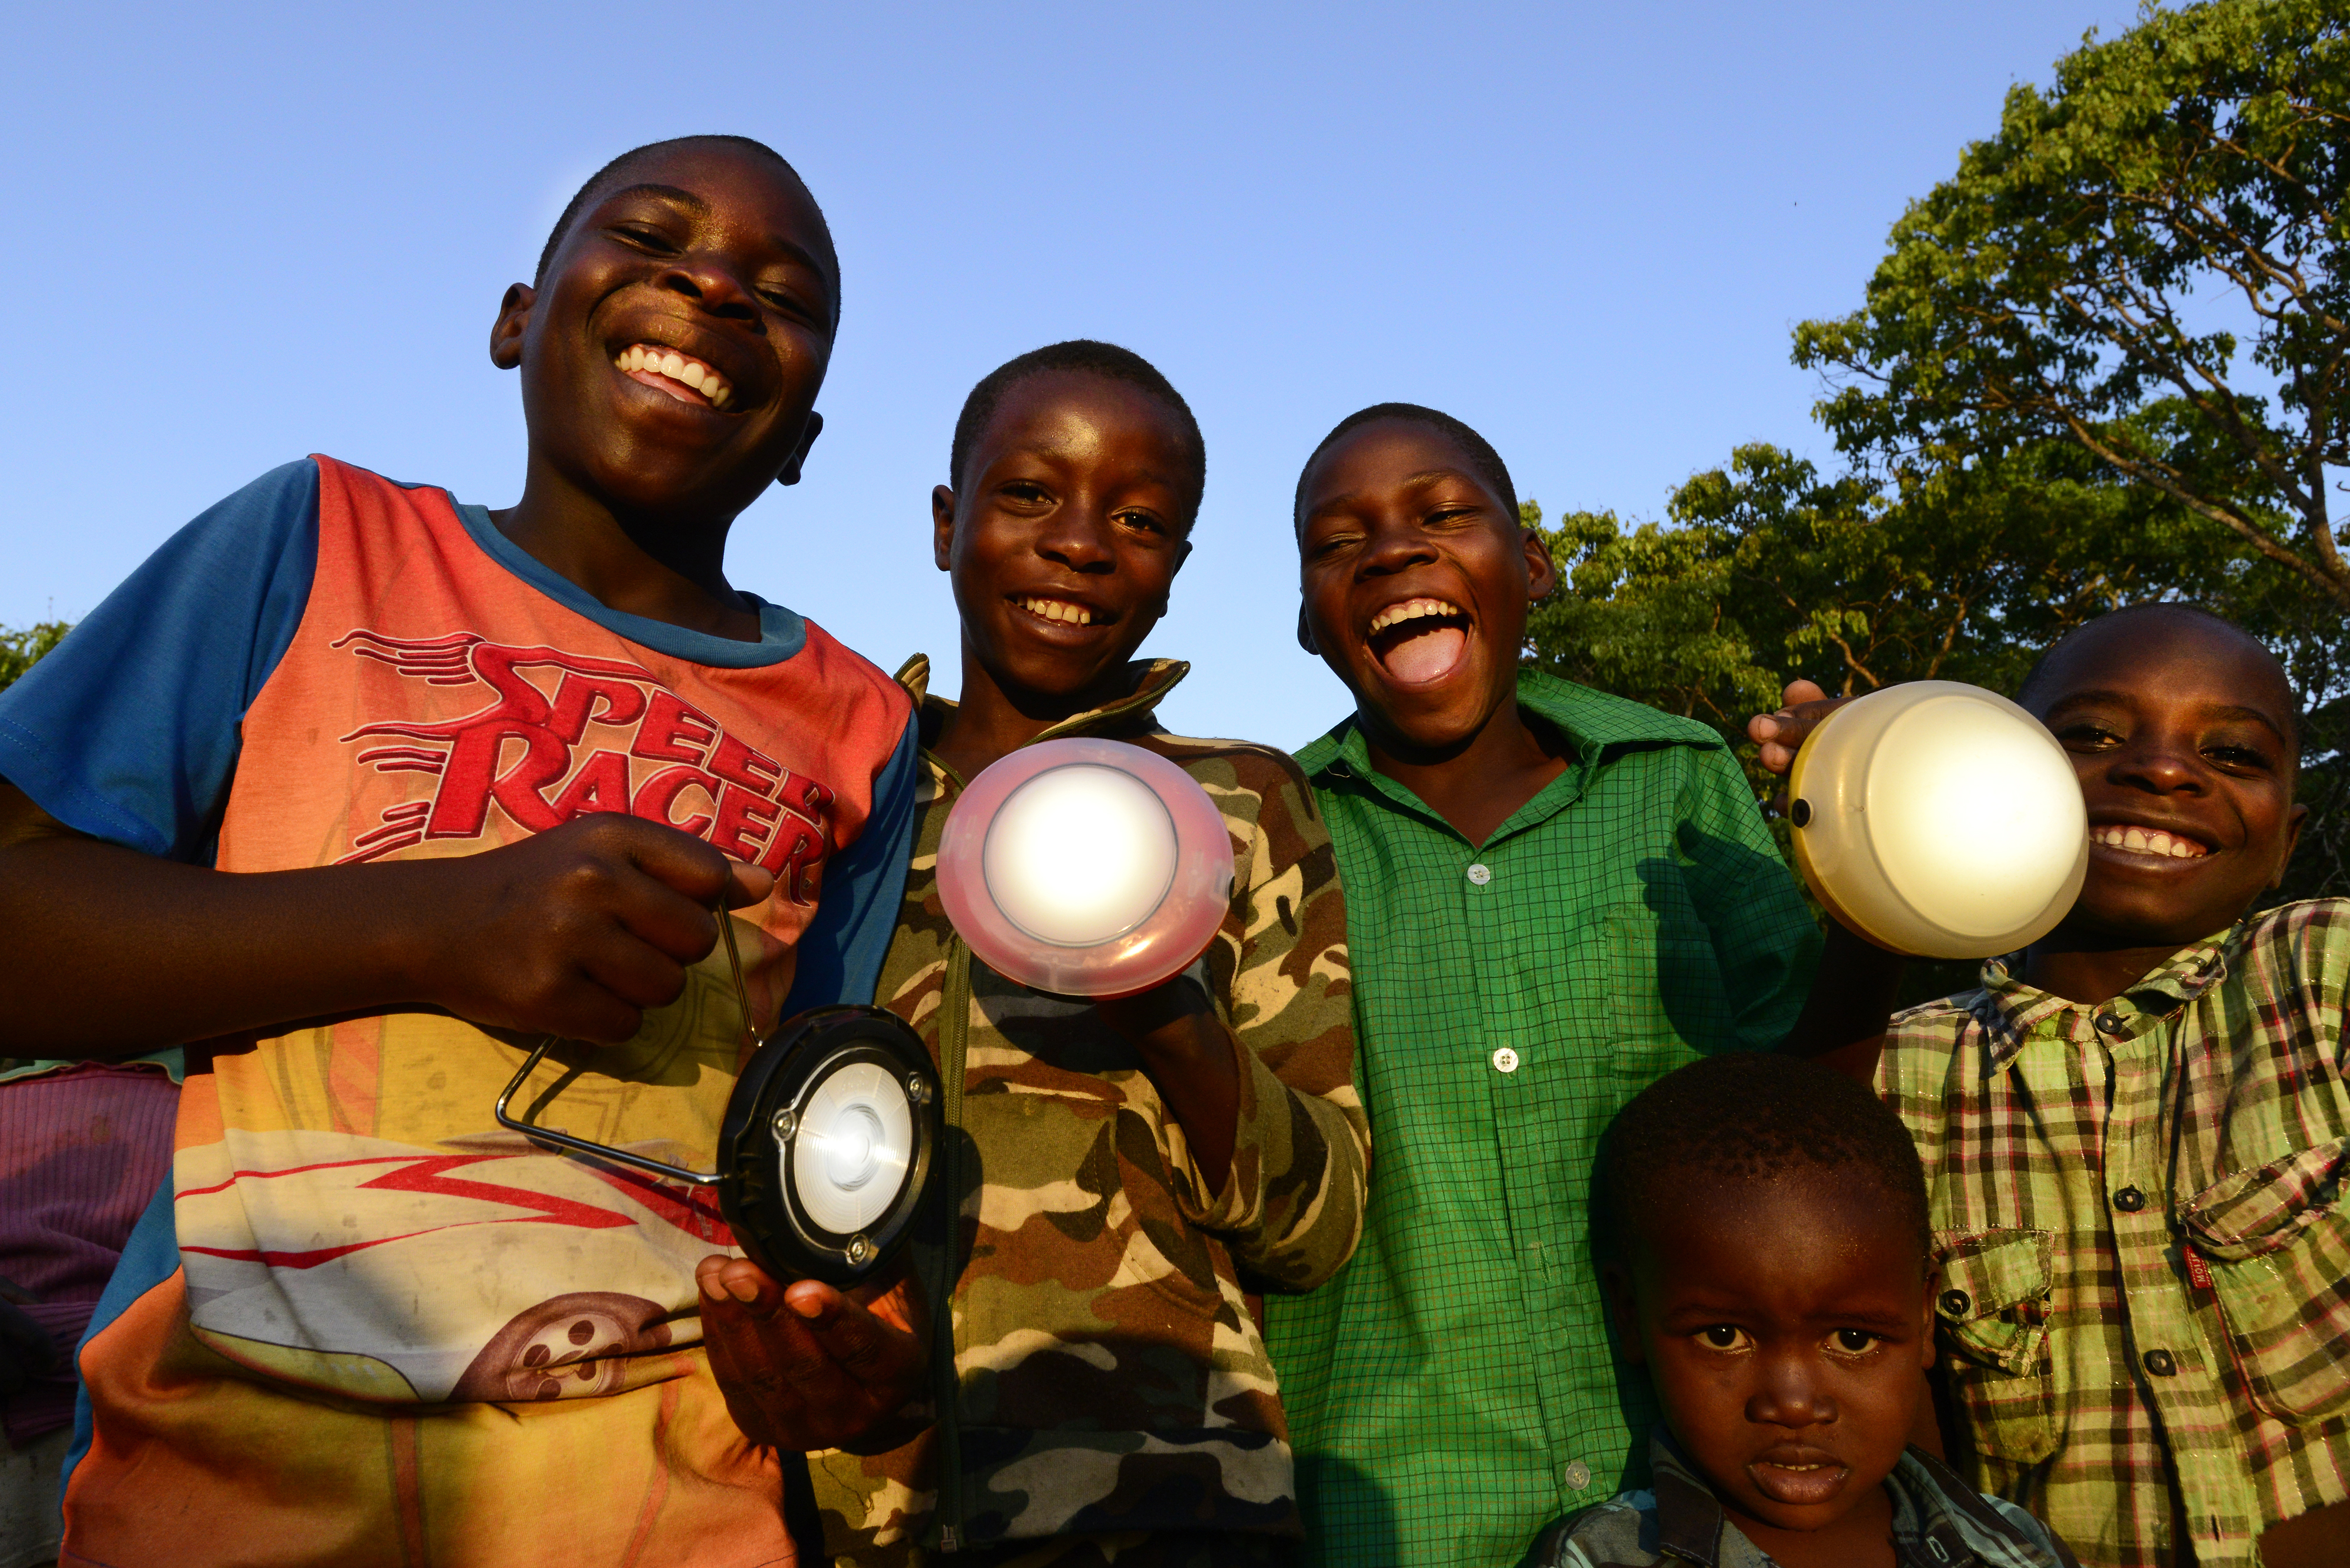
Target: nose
{"points": [[710, 285], [1394, 548], [1789, 1394], [1077, 537], [2158, 763]]}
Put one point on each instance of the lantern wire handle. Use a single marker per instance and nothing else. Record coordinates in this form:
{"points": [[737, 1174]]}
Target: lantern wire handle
{"points": [[562, 1139]]}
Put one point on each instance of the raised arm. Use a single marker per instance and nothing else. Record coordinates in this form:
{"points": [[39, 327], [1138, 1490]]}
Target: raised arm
{"points": [[1291, 1203]]}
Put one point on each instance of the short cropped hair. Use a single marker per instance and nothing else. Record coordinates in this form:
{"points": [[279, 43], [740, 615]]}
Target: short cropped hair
{"points": [[1482, 459], [1746, 1120], [604, 178], [2039, 669], [1092, 358]]}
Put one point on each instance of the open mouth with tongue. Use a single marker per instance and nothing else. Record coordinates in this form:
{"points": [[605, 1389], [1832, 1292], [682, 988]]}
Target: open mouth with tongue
{"points": [[1420, 640]]}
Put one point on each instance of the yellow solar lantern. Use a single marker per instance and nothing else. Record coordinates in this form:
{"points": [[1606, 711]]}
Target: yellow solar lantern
{"points": [[1940, 819]]}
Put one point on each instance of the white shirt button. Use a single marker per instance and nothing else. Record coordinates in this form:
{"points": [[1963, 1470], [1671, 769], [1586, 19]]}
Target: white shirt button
{"points": [[1480, 874], [1505, 1060], [1578, 1475]]}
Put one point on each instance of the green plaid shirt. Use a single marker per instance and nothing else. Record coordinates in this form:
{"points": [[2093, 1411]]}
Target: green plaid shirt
{"points": [[2144, 1307], [1453, 1389]]}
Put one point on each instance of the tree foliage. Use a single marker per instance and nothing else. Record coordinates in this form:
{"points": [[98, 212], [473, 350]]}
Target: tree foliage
{"points": [[20, 649], [2098, 257], [1765, 571]]}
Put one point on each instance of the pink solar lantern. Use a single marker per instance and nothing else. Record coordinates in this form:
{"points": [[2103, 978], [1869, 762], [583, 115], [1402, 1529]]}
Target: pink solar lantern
{"points": [[1086, 867]]}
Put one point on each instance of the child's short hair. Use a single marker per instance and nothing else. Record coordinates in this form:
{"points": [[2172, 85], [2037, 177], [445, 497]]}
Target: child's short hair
{"points": [[1094, 357], [604, 177], [1482, 455], [1746, 1119]]}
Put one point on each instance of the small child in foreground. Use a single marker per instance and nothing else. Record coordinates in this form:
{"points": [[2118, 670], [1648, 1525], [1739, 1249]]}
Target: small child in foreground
{"points": [[1764, 1249], [2136, 1134]]}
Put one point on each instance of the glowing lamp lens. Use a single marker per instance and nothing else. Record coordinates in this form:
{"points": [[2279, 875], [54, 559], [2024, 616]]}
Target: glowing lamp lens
{"points": [[1977, 818], [853, 1142], [1080, 854], [1940, 819]]}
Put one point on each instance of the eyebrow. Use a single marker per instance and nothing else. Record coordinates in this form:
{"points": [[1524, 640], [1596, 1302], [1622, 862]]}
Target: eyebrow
{"points": [[701, 209], [1052, 453], [1420, 481], [2223, 711]]}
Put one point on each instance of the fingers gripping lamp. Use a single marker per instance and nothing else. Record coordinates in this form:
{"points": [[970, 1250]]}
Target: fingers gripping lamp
{"points": [[1085, 866], [826, 1146], [1938, 819]]}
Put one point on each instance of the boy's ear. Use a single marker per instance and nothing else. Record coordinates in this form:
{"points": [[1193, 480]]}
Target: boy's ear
{"points": [[1542, 572], [1615, 1286], [791, 474], [2293, 821], [514, 320], [1926, 1347], [1305, 634], [942, 508]]}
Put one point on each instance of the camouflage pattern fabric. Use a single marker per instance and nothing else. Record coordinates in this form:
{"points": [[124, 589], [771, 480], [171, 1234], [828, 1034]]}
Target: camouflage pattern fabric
{"points": [[1136, 1550], [1106, 1362]]}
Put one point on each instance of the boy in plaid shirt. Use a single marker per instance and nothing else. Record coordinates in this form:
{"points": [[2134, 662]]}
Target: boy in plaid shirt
{"points": [[2135, 1134]]}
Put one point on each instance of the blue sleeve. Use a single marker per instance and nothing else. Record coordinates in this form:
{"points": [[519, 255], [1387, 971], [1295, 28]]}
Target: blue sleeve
{"points": [[129, 729], [840, 953]]}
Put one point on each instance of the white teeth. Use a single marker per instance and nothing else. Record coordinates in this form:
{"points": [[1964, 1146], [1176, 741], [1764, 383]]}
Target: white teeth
{"points": [[1058, 609], [1410, 609], [686, 372], [2148, 841]]}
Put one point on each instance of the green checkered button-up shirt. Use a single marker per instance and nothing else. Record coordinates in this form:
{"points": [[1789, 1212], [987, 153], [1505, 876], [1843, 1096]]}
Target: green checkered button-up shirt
{"points": [[2144, 1303], [1453, 1389]]}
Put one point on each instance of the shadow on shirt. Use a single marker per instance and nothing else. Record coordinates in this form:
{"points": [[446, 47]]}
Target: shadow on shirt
{"points": [[1370, 1531]]}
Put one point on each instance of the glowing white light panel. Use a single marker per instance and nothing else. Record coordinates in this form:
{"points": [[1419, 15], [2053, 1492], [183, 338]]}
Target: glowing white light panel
{"points": [[1080, 854], [850, 1154]]}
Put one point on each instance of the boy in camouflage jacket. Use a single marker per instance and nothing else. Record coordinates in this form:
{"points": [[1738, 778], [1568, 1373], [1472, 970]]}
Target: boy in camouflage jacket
{"points": [[1124, 1175]]}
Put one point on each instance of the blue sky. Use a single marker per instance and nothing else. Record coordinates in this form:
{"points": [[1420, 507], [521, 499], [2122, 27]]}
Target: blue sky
{"points": [[1587, 230]]}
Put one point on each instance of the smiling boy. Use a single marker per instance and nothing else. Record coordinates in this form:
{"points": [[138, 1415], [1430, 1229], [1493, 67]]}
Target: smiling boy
{"points": [[359, 791], [1765, 1247], [1556, 897], [1124, 1175], [2135, 1135]]}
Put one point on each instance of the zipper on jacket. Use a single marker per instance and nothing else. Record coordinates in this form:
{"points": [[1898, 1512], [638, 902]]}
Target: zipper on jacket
{"points": [[954, 1039]]}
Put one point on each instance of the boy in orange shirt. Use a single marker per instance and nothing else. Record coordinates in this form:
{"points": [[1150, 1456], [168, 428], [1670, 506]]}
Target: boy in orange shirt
{"points": [[369, 790]]}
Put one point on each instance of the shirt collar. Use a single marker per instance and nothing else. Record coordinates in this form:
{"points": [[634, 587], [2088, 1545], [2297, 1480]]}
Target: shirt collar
{"points": [[1689, 1516], [1592, 723], [1924, 1533], [1148, 680], [2011, 1009], [1692, 1528]]}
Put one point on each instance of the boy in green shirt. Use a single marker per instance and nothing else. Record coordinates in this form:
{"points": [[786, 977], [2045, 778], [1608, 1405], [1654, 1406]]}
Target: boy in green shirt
{"points": [[1556, 897]]}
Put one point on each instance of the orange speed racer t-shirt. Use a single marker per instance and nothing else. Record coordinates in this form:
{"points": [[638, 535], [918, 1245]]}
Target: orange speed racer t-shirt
{"points": [[398, 1334]]}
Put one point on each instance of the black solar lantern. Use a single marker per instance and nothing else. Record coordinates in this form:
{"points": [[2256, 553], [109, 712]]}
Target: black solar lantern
{"points": [[824, 1149]]}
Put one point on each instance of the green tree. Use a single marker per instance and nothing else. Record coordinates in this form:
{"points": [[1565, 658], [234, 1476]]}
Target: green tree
{"points": [[2095, 258], [20, 649], [1766, 571]]}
